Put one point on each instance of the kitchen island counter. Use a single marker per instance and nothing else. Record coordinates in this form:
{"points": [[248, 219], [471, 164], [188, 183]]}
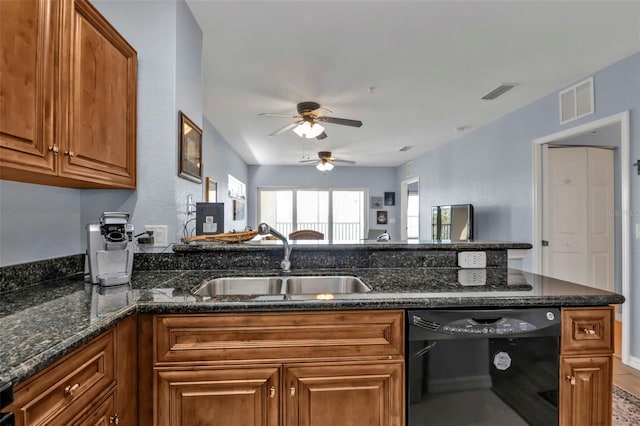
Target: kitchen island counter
{"points": [[39, 324]]}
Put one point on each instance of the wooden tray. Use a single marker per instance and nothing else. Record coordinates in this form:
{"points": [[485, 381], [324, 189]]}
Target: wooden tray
{"points": [[228, 237]]}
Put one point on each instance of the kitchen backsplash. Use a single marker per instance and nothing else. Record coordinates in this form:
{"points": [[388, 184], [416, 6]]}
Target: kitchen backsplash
{"points": [[22, 275]]}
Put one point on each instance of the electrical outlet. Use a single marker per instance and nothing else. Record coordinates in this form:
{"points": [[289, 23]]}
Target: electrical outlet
{"points": [[472, 276], [160, 238], [472, 259], [191, 206]]}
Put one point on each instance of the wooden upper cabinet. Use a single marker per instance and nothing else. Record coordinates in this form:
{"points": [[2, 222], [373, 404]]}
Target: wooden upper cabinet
{"points": [[28, 31], [68, 97], [99, 88]]}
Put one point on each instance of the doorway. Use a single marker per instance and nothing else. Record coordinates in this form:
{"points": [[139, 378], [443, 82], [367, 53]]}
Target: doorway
{"points": [[622, 216], [410, 209]]}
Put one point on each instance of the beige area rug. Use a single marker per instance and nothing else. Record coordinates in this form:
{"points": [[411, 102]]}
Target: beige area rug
{"points": [[626, 408]]}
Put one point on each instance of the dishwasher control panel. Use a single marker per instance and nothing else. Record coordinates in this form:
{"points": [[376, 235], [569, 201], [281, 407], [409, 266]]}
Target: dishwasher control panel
{"points": [[428, 324], [475, 326]]}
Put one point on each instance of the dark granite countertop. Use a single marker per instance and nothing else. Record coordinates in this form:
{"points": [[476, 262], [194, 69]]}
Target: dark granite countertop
{"points": [[367, 245], [39, 324]]}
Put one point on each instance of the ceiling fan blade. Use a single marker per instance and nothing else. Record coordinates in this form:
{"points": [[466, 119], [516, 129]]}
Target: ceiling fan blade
{"points": [[344, 161], [321, 136], [343, 121], [308, 161], [277, 114], [284, 129]]}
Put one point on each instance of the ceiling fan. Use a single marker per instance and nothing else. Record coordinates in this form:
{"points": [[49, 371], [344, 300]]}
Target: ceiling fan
{"points": [[325, 162], [307, 121]]}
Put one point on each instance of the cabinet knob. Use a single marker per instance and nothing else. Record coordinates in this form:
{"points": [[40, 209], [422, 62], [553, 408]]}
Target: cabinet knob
{"points": [[53, 149], [570, 379], [114, 420], [69, 153], [272, 392], [292, 391], [70, 390]]}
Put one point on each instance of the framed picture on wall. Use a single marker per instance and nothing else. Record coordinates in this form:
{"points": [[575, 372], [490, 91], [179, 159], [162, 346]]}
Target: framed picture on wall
{"points": [[238, 209], [375, 202], [190, 147], [212, 191], [381, 217], [389, 198]]}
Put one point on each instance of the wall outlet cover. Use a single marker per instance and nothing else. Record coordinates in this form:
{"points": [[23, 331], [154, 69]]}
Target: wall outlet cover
{"points": [[468, 277], [160, 238], [472, 259]]}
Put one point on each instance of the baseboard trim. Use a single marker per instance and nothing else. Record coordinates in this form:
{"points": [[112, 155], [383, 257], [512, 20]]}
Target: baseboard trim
{"points": [[634, 362]]}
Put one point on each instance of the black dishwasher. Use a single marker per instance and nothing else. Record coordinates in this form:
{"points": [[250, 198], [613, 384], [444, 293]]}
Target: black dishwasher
{"points": [[6, 398], [483, 367]]}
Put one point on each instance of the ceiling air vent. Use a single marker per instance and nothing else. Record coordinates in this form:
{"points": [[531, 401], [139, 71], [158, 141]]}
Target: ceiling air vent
{"points": [[576, 101], [500, 90]]}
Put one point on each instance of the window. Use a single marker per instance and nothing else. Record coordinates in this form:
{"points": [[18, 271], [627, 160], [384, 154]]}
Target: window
{"points": [[338, 213]]}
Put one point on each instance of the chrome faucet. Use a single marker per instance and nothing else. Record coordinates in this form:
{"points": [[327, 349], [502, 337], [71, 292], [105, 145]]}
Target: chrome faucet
{"points": [[264, 229]]}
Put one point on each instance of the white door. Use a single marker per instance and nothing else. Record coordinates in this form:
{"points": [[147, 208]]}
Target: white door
{"points": [[578, 222]]}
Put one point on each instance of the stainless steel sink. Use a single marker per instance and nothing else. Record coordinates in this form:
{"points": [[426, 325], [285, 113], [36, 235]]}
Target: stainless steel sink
{"points": [[240, 286], [325, 284], [259, 286]]}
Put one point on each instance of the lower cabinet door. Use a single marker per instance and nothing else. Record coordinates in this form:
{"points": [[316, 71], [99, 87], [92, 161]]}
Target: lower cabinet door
{"points": [[102, 415], [218, 397], [344, 394], [585, 391]]}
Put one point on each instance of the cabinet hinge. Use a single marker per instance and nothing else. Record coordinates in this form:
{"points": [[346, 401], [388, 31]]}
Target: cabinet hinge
{"points": [[545, 243]]}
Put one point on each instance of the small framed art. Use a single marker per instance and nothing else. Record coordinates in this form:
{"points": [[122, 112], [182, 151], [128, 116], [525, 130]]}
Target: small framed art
{"points": [[190, 146]]}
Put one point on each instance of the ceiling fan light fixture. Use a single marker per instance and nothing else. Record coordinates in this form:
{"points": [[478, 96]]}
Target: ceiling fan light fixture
{"points": [[324, 166], [308, 130]]}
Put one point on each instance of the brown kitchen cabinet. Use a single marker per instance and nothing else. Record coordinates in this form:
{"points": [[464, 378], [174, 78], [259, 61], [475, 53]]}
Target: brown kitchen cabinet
{"points": [[102, 414], [240, 396], [273, 368], [68, 102], [586, 376], [94, 384], [356, 394]]}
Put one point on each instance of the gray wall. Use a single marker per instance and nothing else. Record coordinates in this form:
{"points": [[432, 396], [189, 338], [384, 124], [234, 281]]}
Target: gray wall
{"points": [[221, 161], [491, 167], [38, 222], [377, 180]]}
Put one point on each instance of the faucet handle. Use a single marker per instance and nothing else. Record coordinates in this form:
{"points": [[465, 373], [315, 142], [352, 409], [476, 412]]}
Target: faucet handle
{"points": [[264, 229]]}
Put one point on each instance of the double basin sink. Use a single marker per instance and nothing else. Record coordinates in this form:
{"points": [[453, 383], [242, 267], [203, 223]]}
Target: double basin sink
{"points": [[296, 285]]}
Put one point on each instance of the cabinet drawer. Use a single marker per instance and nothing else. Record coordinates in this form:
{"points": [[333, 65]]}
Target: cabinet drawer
{"points": [[68, 386], [278, 336], [587, 330]]}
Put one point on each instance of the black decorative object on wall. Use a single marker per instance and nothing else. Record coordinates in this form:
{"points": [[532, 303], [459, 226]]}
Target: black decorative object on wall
{"points": [[637, 164]]}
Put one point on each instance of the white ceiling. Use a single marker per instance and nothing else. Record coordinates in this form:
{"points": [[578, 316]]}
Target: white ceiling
{"points": [[411, 71]]}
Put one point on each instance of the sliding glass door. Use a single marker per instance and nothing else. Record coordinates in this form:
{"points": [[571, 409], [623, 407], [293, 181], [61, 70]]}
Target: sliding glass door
{"points": [[338, 213]]}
